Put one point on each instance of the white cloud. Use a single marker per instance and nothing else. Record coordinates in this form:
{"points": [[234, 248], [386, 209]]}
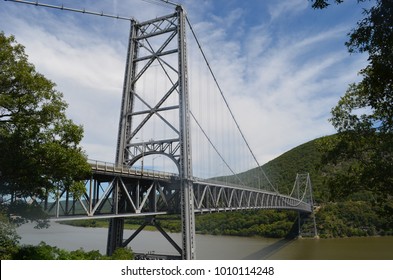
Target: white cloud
{"points": [[280, 89], [286, 8]]}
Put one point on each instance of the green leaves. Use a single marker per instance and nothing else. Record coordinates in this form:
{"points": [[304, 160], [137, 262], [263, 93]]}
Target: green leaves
{"points": [[9, 239], [350, 218], [322, 4], [360, 157], [356, 161], [44, 251], [39, 145]]}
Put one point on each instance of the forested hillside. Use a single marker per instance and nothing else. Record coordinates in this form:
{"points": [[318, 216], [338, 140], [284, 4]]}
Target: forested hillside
{"points": [[282, 170], [357, 214]]}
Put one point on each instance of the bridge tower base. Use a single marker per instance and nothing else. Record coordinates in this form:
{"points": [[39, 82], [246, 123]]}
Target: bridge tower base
{"points": [[115, 235]]}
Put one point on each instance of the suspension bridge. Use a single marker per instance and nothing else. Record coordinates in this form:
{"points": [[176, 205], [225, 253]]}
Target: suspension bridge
{"points": [[180, 149]]}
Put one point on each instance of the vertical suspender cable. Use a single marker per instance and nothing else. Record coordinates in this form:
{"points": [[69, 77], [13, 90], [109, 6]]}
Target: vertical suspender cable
{"points": [[226, 103]]}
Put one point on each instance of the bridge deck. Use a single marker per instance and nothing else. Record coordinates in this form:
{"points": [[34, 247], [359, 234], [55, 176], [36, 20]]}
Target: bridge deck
{"points": [[101, 167], [120, 191]]}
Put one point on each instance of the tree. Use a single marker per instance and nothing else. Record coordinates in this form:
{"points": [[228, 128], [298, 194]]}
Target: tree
{"points": [[123, 254], [43, 251], [39, 146], [9, 239], [361, 155]]}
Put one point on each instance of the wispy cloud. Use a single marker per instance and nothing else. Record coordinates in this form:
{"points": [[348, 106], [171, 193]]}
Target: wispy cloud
{"points": [[279, 9], [280, 86]]}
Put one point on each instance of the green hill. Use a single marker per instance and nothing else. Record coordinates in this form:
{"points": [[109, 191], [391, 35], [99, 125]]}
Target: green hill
{"points": [[282, 170], [303, 159], [355, 215]]}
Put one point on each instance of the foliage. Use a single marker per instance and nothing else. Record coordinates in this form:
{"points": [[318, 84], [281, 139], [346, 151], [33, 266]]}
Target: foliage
{"points": [[39, 146], [351, 218], [9, 239], [92, 223], [361, 156], [122, 254], [356, 163], [321, 4], [40, 252], [21, 212], [305, 158], [267, 223], [348, 205], [44, 251], [10, 249]]}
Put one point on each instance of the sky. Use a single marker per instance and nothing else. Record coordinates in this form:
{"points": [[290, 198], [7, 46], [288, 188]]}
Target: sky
{"points": [[282, 65]]}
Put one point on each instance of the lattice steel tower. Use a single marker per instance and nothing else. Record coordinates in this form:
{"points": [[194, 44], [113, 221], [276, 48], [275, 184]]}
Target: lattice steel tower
{"points": [[155, 119]]}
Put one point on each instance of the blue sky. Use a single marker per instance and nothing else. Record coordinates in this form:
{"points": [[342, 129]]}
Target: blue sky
{"points": [[282, 65]]}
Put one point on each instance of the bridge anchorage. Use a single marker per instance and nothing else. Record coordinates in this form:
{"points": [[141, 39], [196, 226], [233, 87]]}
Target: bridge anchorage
{"points": [[120, 190]]}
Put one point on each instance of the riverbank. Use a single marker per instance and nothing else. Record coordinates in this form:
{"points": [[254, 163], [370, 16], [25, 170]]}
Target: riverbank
{"points": [[102, 223], [334, 220], [214, 247]]}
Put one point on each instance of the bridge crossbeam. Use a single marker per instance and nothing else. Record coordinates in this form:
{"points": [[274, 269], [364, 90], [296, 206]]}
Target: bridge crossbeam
{"points": [[169, 147]]}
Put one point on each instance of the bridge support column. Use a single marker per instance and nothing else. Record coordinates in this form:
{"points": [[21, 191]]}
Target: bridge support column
{"points": [[115, 235], [188, 221], [186, 184]]}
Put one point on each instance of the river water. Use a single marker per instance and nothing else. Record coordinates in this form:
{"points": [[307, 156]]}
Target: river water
{"points": [[211, 247]]}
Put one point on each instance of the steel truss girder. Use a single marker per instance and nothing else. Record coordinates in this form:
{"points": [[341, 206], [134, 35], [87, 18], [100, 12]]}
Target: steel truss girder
{"points": [[125, 195], [209, 197], [118, 196], [110, 194]]}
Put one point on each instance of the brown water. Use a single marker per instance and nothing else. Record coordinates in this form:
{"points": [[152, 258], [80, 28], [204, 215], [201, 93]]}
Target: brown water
{"points": [[219, 247], [356, 248]]}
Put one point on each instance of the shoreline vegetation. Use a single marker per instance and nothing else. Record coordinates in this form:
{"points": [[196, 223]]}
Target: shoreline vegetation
{"points": [[334, 220]]}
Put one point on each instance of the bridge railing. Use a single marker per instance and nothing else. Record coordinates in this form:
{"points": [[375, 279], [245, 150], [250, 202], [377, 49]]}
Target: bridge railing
{"points": [[229, 184], [135, 171], [127, 170]]}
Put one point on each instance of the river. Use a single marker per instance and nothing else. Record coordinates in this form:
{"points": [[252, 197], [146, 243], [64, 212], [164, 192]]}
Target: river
{"points": [[211, 247]]}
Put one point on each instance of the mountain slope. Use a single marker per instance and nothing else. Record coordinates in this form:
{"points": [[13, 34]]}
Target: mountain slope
{"points": [[282, 170]]}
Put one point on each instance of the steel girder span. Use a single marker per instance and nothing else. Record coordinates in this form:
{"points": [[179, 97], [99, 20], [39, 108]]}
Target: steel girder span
{"points": [[114, 192], [118, 192]]}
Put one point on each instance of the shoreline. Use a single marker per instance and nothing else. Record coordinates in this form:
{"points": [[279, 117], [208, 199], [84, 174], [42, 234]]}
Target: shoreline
{"points": [[104, 225]]}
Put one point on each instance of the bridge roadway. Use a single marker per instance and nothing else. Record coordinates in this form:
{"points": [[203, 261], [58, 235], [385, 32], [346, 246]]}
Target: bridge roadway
{"points": [[120, 191]]}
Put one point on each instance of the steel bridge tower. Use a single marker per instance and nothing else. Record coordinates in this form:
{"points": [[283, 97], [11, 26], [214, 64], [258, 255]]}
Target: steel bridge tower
{"points": [[160, 42]]}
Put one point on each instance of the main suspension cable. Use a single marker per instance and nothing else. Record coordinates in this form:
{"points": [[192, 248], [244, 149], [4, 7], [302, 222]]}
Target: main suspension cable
{"points": [[162, 3], [83, 11]]}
